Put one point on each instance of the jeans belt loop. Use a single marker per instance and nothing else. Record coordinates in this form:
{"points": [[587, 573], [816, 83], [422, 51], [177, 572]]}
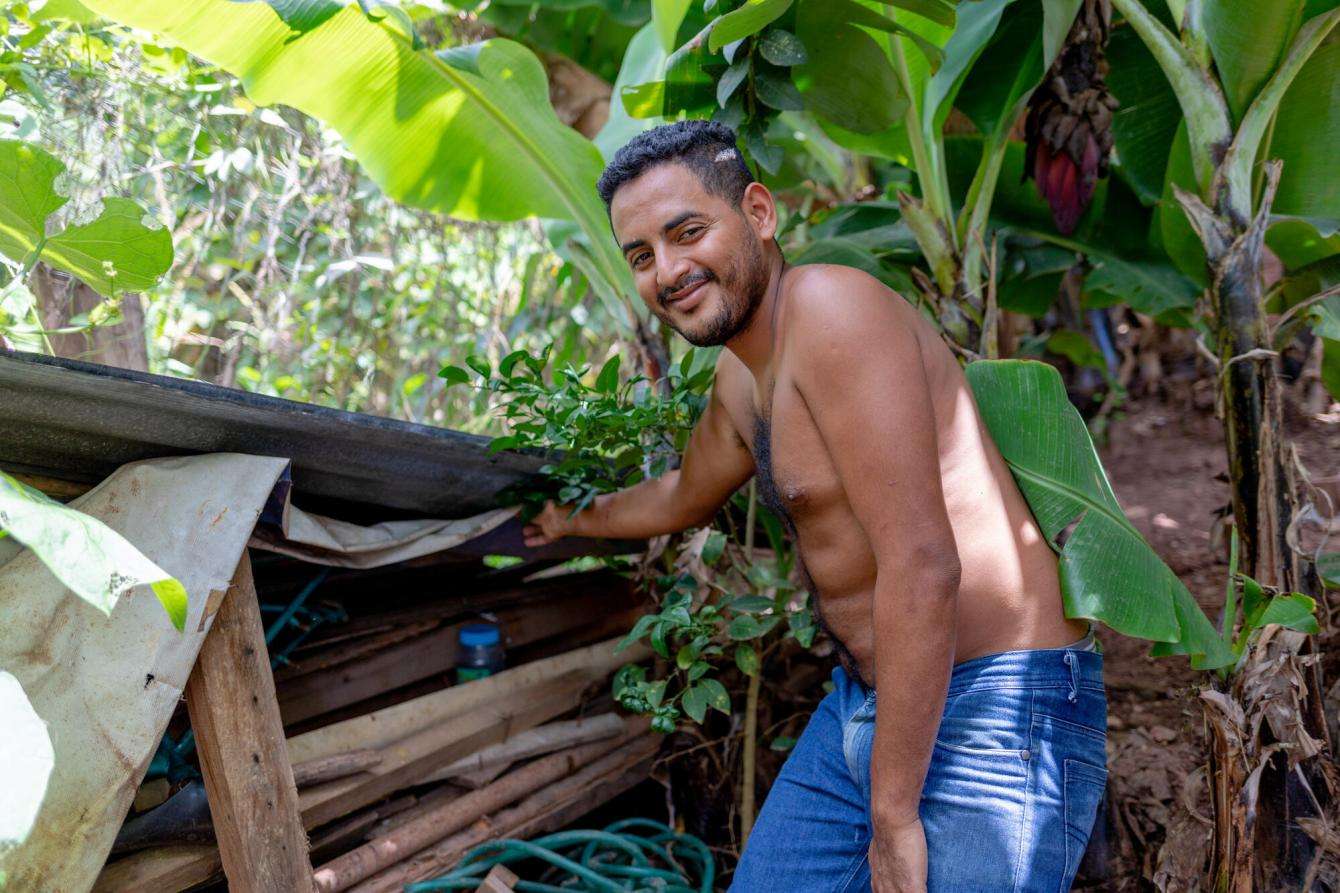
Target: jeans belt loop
{"points": [[1073, 664]]}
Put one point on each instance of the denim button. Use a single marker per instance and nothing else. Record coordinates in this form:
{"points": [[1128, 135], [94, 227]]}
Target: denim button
{"points": [[1025, 755], [1069, 658]]}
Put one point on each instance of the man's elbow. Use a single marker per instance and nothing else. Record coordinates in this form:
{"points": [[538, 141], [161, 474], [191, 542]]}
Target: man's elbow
{"points": [[933, 568]]}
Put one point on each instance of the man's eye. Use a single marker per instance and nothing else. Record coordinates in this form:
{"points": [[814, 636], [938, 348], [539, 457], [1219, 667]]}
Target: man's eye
{"points": [[638, 259], [691, 232]]}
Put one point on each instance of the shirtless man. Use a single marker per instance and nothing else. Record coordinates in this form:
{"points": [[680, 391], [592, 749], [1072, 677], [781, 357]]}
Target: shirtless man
{"points": [[983, 766]]}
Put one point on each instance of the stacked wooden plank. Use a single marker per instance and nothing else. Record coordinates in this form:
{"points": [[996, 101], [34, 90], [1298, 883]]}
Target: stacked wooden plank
{"points": [[398, 772]]}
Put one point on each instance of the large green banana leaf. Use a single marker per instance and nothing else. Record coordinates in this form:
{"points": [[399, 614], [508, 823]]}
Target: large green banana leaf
{"points": [[1108, 571], [468, 131]]}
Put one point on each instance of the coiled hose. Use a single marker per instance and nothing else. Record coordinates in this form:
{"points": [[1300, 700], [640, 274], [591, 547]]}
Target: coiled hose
{"points": [[614, 860]]}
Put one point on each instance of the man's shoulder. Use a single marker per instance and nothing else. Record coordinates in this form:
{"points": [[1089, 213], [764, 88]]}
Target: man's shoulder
{"points": [[831, 303]]}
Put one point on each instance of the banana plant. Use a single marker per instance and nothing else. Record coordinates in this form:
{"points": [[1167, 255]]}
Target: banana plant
{"points": [[466, 130], [1232, 70], [1247, 78]]}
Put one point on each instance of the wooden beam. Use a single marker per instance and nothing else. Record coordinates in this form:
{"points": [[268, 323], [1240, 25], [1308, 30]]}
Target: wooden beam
{"points": [[430, 654], [335, 766], [408, 761], [243, 756], [177, 867], [382, 852], [393, 723], [549, 808], [170, 869]]}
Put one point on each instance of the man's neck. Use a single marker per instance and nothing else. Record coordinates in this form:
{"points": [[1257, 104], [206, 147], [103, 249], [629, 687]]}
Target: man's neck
{"points": [[754, 344]]}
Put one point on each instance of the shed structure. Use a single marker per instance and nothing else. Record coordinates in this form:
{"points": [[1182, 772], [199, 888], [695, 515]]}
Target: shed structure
{"points": [[330, 559]]}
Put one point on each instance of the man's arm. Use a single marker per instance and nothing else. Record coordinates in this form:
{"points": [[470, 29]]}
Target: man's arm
{"points": [[715, 464], [863, 381]]}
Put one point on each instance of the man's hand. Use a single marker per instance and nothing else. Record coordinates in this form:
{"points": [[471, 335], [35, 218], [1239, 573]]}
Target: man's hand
{"points": [[552, 523], [898, 859]]}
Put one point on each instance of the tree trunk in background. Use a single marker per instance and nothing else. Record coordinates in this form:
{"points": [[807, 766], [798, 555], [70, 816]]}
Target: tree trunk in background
{"points": [[60, 298], [581, 99], [1258, 842]]}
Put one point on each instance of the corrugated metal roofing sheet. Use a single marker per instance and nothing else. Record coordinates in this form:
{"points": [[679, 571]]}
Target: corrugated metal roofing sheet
{"points": [[80, 421]]}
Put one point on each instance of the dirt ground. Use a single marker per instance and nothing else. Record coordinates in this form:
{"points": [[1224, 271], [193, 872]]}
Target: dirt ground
{"points": [[1167, 465]]}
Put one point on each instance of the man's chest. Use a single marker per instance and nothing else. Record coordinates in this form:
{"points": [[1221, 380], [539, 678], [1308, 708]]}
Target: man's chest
{"points": [[795, 473]]}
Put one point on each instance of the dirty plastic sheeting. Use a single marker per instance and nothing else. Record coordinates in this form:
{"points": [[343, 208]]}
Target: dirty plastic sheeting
{"points": [[106, 685]]}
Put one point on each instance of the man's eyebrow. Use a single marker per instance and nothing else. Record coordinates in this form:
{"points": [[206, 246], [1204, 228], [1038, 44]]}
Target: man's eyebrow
{"points": [[670, 224]]}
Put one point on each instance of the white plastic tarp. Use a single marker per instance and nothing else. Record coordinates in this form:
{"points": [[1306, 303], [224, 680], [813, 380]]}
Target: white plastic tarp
{"points": [[106, 685]]}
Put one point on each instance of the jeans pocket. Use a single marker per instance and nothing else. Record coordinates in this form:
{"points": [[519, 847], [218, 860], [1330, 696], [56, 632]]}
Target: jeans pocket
{"points": [[987, 723], [1083, 790]]}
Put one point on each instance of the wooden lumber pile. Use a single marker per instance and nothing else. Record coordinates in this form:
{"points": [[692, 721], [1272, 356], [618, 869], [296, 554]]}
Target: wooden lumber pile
{"points": [[397, 771]]}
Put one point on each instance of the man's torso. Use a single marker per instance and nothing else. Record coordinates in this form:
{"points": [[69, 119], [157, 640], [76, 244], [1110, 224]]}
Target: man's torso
{"points": [[1009, 595]]}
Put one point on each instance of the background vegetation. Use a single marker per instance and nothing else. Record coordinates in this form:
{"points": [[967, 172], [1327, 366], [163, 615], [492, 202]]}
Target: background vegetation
{"points": [[333, 201]]}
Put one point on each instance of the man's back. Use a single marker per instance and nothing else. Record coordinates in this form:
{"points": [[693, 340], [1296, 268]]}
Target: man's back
{"points": [[1008, 597]]}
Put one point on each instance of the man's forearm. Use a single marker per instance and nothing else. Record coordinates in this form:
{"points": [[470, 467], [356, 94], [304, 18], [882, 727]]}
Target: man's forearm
{"points": [[915, 622], [646, 509]]}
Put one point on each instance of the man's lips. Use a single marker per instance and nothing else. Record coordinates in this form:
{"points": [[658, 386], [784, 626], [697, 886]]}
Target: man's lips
{"points": [[686, 292]]}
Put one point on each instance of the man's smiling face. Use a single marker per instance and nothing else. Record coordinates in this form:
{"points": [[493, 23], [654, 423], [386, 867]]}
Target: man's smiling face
{"points": [[697, 260]]}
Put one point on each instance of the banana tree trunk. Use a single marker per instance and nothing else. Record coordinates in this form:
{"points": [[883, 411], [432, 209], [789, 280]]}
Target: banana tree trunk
{"points": [[1258, 844]]}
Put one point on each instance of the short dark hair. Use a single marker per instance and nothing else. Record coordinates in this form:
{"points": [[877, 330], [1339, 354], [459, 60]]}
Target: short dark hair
{"points": [[705, 147]]}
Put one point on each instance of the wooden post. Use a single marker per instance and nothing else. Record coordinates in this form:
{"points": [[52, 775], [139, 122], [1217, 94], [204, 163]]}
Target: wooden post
{"points": [[243, 755]]}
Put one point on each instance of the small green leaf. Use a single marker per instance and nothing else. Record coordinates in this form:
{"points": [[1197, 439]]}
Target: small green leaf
{"points": [[1292, 611], [453, 375], [727, 85], [717, 696], [655, 693], [172, 596], [782, 743], [1328, 568], [686, 656], [714, 547], [746, 658], [743, 627], [658, 643], [752, 17], [479, 364], [640, 629], [751, 604], [776, 91], [782, 48], [607, 382], [509, 362], [698, 669], [694, 702]]}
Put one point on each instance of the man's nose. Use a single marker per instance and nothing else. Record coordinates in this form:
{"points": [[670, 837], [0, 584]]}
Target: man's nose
{"points": [[671, 268]]}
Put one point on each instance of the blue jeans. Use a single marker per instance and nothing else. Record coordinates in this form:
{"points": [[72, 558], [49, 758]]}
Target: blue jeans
{"points": [[1015, 779]]}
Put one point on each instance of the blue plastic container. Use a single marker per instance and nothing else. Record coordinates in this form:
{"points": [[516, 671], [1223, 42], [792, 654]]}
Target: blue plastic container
{"points": [[480, 653]]}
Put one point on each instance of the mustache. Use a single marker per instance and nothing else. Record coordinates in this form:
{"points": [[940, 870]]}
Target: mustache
{"points": [[692, 279]]}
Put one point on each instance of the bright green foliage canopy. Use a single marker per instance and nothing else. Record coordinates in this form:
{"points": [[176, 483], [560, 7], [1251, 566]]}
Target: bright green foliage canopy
{"points": [[468, 131]]}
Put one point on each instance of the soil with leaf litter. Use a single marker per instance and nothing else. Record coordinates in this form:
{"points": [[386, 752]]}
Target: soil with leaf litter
{"points": [[1167, 465]]}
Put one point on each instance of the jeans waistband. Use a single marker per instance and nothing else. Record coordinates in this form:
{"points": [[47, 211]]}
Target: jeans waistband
{"points": [[1030, 668]]}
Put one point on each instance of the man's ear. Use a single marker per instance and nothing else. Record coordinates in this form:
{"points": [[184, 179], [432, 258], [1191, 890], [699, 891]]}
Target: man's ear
{"points": [[760, 209]]}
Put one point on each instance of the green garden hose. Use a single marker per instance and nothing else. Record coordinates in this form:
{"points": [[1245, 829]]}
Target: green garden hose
{"points": [[615, 860]]}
